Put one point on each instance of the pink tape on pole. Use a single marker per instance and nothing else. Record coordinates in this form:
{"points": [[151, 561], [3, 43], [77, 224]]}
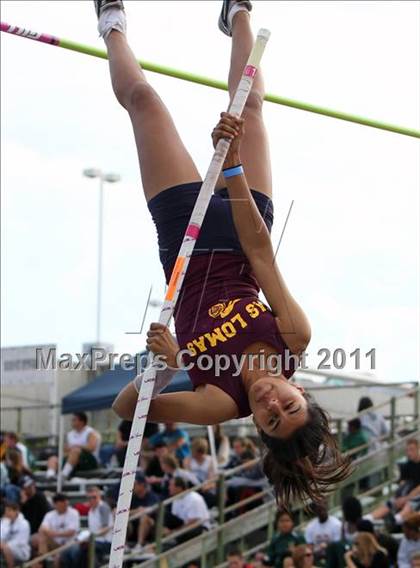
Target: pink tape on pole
{"points": [[250, 71], [15, 30], [193, 231]]}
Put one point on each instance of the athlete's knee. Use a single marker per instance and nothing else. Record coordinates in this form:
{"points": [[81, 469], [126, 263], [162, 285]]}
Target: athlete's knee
{"points": [[254, 102], [142, 97]]}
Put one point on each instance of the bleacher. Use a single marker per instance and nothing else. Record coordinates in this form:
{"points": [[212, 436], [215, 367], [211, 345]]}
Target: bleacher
{"points": [[248, 523]]}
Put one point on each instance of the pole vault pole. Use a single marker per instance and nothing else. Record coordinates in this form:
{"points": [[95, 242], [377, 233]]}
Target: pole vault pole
{"points": [[174, 287], [191, 77]]}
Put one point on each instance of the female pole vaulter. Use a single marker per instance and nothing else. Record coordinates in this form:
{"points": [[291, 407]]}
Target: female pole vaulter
{"points": [[219, 315]]}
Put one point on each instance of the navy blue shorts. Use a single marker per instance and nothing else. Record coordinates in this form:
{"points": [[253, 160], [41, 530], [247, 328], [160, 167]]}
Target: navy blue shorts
{"points": [[171, 211]]}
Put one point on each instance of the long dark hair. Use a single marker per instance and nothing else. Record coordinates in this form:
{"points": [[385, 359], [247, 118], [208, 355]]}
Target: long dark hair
{"points": [[308, 464]]}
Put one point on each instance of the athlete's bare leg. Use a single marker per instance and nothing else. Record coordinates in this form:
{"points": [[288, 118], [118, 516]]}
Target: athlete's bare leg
{"points": [[164, 160], [255, 153]]}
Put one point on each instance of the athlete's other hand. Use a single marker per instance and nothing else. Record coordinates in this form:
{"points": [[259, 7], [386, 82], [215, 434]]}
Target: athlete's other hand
{"points": [[232, 129], [160, 341]]}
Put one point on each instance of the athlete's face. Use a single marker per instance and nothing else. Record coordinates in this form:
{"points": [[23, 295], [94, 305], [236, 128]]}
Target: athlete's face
{"points": [[279, 408]]}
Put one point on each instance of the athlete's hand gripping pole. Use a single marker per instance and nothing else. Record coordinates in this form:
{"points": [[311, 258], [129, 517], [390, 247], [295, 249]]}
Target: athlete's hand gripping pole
{"points": [[175, 284]]}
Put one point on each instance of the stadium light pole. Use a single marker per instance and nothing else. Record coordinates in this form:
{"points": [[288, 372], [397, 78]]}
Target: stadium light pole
{"points": [[103, 178]]}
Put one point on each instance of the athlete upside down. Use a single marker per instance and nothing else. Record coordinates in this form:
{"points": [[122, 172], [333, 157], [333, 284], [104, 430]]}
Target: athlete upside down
{"points": [[218, 312]]}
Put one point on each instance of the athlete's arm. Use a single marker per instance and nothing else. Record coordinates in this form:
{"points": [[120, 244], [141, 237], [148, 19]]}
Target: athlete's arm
{"points": [[190, 407], [256, 244]]}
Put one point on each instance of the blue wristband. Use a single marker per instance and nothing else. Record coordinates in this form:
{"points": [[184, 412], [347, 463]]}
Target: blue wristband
{"points": [[232, 172]]}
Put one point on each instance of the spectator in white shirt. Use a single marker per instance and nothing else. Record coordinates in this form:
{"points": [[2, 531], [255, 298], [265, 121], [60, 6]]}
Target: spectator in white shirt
{"points": [[15, 534], [203, 467], [58, 526], [82, 449], [191, 509], [100, 519], [201, 463], [322, 530]]}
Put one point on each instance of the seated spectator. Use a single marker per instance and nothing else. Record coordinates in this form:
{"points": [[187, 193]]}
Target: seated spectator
{"points": [[235, 559], [14, 535], [100, 519], [15, 467], [303, 556], [240, 446], [171, 469], [81, 450], [222, 445], [352, 514], [184, 511], [407, 496], [11, 442], [235, 454], [8, 491], [244, 451], [353, 523], [410, 544], [58, 527], [143, 497], [387, 541], [249, 480], [372, 422], [187, 510], [203, 468], [410, 469], [123, 436], [154, 472], [321, 531], [201, 463], [355, 438], [177, 440], [283, 542], [118, 449], [34, 504], [366, 553], [252, 475]]}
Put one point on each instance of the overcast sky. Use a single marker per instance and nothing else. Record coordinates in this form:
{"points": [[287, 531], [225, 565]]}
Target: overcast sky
{"points": [[350, 251]]}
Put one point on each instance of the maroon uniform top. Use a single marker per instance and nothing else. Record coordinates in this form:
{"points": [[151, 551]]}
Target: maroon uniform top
{"points": [[219, 313]]}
